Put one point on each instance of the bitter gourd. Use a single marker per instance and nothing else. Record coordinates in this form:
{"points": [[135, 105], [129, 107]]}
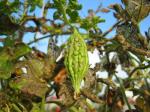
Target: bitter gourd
{"points": [[76, 59]]}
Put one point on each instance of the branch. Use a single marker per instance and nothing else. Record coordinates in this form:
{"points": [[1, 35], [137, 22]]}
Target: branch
{"points": [[2, 39], [44, 37], [137, 68], [64, 14], [128, 46], [122, 89], [128, 81], [49, 5], [88, 94], [56, 101], [107, 82], [35, 19], [111, 28], [30, 29]]}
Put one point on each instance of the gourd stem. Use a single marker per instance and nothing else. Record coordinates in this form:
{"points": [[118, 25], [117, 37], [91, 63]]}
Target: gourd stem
{"points": [[65, 15]]}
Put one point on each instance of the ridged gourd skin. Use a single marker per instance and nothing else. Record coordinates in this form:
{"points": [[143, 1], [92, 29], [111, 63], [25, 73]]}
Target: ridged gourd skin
{"points": [[76, 60]]}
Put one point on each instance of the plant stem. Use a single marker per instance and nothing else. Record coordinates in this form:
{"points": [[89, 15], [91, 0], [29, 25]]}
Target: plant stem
{"points": [[123, 93], [64, 14], [48, 36]]}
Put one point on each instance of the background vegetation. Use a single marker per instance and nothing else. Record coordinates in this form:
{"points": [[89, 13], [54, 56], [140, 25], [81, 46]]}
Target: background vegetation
{"points": [[29, 77]]}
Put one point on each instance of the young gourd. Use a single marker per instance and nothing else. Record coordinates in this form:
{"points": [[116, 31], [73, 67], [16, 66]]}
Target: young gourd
{"points": [[76, 60]]}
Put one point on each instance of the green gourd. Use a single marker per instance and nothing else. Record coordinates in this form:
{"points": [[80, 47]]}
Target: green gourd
{"points": [[76, 59]]}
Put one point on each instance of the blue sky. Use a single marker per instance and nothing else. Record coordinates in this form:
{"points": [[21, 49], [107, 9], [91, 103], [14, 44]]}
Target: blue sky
{"points": [[110, 20], [89, 4]]}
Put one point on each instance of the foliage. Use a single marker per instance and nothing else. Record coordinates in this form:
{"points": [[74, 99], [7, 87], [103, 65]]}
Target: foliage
{"points": [[31, 79]]}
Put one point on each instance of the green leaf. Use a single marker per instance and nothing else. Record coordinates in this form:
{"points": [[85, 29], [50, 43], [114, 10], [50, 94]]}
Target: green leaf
{"points": [[9, 42], [112, 46], [63, 2], [17, 85], [32, 8], [7, 56], [6, 66], [35, 3], [86, 24], [35, 108], [39, 3], [9, 7], [56, 15], [73, 4], [5, 69], [15, 108], [73, 15], [14, 6], [91, 23], [21, 50], [57, 4], [36, 67], [1, 48], [96, 20]]}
